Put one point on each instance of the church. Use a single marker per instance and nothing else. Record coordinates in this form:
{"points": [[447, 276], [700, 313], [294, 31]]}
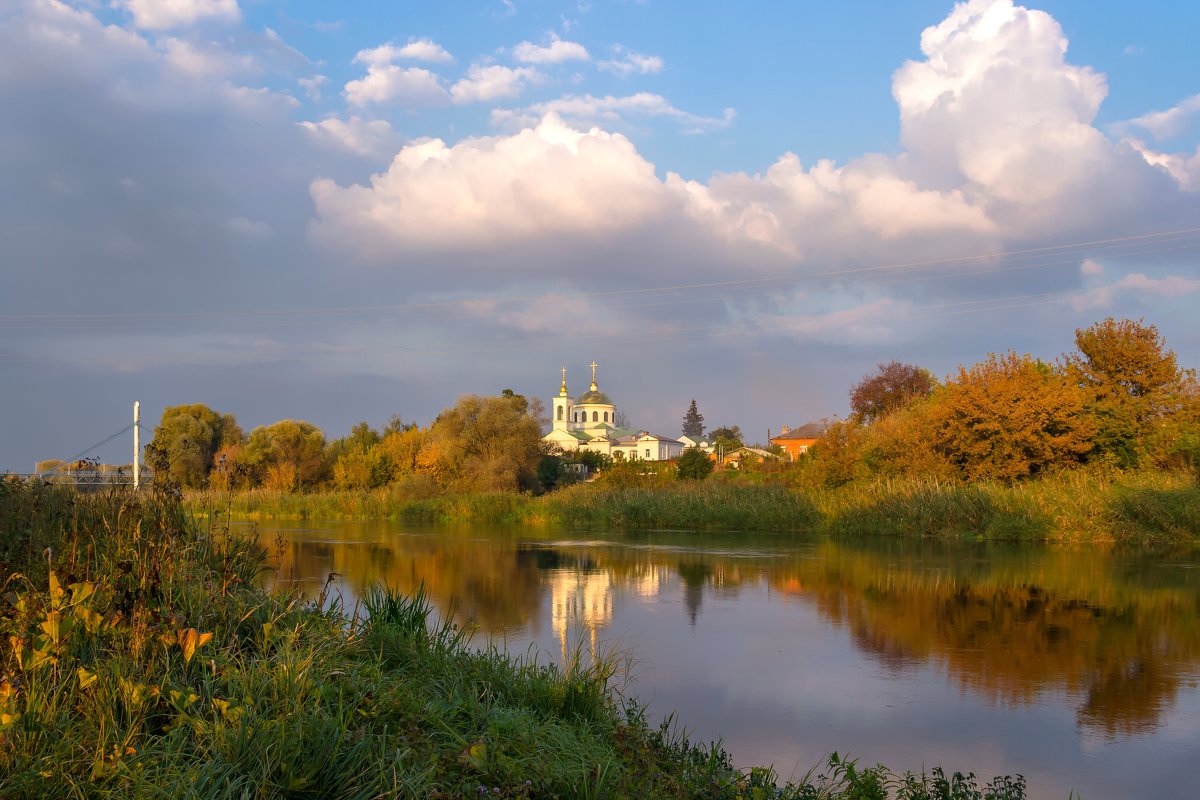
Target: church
{"points": [[590, 423]]}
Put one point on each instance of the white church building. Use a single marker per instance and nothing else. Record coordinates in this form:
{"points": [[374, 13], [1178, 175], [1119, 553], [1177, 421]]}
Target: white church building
{"points": [[590, 423]]}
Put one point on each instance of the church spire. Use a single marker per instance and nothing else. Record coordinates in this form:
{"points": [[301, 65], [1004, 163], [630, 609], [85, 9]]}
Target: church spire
{"points": [[593, 386], [563, 389]]}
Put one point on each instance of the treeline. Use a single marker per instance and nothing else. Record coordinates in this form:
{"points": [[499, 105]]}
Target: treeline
{"points": [[1120, 399], [481, 444]]}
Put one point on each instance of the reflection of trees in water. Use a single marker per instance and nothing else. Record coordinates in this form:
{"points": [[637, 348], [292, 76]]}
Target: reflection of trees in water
{"points": [[1014, 641], [487, 581], [1120, 633]]}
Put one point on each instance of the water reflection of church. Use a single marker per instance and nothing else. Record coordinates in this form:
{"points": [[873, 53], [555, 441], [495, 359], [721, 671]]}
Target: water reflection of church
{"points": [[582, 600]]}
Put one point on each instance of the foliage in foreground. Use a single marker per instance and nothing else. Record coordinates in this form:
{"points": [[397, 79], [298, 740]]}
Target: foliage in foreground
{"points": [[140, 658]]}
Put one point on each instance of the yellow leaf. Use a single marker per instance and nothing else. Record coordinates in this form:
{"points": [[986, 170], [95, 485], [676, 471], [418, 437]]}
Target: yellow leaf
{"points": [[81, 592], [56, 591], [190, 639], [86, 678]]}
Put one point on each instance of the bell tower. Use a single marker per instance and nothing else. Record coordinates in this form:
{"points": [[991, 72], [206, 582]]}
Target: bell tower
{"points": [[562, 406]]}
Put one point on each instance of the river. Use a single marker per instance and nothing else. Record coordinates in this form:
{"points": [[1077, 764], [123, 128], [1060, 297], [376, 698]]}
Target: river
{"points": [[1076, 667]]}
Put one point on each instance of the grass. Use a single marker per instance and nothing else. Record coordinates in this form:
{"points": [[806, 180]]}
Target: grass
{"points": [[139, 657], [1152, 508]]}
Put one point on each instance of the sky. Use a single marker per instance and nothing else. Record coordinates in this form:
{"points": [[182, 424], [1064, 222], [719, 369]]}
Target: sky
{"points": [[341, 212]]}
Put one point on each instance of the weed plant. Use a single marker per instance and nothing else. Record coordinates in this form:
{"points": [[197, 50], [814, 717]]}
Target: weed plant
{"points": [[139, 657]]}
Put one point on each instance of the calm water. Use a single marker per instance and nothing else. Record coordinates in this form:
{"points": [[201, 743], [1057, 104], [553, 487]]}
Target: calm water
{"points": [[1077, 668]]}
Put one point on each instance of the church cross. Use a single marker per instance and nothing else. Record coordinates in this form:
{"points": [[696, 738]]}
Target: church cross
{"points": [[594, 365]]}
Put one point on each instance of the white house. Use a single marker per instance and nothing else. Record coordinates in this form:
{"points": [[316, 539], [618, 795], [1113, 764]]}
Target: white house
{"points": [[590, 423]]}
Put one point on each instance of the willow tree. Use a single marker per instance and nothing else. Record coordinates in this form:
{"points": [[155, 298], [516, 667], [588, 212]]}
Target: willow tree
{"points": [[288, 454], [186, 440]]}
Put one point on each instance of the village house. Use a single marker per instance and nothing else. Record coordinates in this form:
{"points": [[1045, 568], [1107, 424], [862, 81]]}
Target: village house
{"points": [[796, 441]]}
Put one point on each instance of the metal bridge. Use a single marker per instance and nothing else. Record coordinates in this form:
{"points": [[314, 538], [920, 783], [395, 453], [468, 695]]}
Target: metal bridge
{"points": [[86, 473]]}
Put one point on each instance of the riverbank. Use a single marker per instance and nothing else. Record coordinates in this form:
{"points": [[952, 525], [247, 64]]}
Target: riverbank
{"points": [[141, 658], [1152, 508]]}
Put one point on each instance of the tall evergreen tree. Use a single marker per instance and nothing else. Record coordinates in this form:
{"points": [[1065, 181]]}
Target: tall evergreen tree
{"points": [[693, 421]]}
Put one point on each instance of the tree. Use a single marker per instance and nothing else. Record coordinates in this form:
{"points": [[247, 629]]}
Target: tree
{"points": [[288, 454], [1011, 417], [1131, 379], [727, 438], [186, 439], [893, 385], [694, 464], [693, 421], [484, 444]]}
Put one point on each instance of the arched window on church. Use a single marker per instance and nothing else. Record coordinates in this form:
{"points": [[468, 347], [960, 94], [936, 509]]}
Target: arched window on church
{"points": [[595, 417], [576, 416], [606, 416], [560, 413]]}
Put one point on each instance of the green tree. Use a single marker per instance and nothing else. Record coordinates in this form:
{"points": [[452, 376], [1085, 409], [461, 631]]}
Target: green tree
{"points": [[484, 444], [727, 438], [186, 439], [1131, 379], [892, 386], [693, 421], [1010, 417], [288, 454], [694, 464]]}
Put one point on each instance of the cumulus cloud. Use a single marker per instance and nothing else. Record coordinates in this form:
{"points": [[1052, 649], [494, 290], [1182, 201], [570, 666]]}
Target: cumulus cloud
{"points": [[389, 83], [588, 110], [365, 137], [542, 181], [626, 62], [425, 50], [999, 145], [164, 14], [491, 82], [556, 52], [1168, 123], [1091, 267]]}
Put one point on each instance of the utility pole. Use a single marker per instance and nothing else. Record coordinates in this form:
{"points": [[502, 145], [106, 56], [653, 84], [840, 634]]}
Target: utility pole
{"points": [[136, 447]]}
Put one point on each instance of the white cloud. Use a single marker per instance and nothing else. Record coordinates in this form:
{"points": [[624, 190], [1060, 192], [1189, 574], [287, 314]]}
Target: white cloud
{"points": [[206, 59], [627, 63], [388, 83], [1172, 122], [1183, 168], [492, 82], [425, 50], [556, 52], [365, 137], [494, 190], [1135, 283], [866, 323], [1090, 267], [996, 102], [250, 228], [312, 86], [588, 109], [164, 14]]}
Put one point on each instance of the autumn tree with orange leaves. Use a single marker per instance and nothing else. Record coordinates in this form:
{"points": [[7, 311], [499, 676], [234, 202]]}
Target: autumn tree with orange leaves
{"points": [[1011, 417]]}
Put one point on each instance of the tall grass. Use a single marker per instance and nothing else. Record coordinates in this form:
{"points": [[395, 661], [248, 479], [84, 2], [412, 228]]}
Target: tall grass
{"points": [[1157, 508], [140, 658]]}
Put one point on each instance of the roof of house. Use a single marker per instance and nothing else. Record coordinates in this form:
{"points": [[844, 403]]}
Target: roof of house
{"points": [[812, 430]]}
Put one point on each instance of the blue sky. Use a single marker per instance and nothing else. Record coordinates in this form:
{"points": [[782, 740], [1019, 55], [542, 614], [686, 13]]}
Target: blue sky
{"points": [[342, 211]]}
